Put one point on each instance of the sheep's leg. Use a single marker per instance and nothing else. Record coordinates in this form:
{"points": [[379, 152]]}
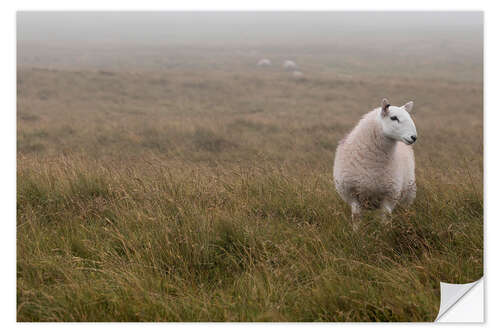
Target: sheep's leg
{"points": [[387, 208], [355, 215], [410, 194]]}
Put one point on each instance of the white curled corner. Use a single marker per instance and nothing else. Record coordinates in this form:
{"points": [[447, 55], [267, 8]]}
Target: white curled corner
{"points": [[460, 303]]}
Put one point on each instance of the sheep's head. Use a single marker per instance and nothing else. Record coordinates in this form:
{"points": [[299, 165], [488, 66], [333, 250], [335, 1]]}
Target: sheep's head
{"points": [[397, 123]]}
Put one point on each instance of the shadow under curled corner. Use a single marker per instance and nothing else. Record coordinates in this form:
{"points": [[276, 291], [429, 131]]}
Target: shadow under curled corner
{"points": [[461, 302]]}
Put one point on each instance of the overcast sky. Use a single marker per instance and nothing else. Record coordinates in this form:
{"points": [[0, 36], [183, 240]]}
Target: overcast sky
{"points": [[223, 26]]}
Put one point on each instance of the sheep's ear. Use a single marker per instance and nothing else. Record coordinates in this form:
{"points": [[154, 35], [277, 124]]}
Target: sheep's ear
{"points": [[385, 107], [408, 106]]}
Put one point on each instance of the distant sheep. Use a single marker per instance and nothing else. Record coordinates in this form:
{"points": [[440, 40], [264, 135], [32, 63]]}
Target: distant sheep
{"points": [[374, 164], [289, 65], [264, 63], [298, 75]]}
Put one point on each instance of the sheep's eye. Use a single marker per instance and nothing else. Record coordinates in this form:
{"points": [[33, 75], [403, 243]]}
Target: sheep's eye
{"points": [[394, 118]]}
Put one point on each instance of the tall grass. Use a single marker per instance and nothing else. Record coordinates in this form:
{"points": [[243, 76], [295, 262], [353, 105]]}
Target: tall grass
{"points": [[173, 196], [100, 243]]}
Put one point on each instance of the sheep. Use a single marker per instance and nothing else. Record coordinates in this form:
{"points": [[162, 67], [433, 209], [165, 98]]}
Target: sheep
{"points": [[264, 63], [289, 65], [374, 164], [298, 75]]}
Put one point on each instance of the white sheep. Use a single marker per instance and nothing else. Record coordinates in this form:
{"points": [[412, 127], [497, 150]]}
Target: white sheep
{"points": [[264, 63], [374, 164], [289, 65], [298, 75]]}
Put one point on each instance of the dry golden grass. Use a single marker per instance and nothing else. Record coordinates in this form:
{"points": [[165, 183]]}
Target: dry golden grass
{"points": [[207, 195]]}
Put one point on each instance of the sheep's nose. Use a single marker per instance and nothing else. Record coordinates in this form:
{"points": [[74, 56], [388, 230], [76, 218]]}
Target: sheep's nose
{"points": [[414, 138]]}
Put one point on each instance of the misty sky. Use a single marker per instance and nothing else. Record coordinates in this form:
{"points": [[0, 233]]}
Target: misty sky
{"points": [[188, 27]]}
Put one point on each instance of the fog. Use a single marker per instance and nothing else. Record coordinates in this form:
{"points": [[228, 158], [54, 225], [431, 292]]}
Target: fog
{"points": [[443, 44], [237, 27]]}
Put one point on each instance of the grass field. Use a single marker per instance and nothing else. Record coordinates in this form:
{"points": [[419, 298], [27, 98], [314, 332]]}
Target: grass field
{"points": [[204, 192]]}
